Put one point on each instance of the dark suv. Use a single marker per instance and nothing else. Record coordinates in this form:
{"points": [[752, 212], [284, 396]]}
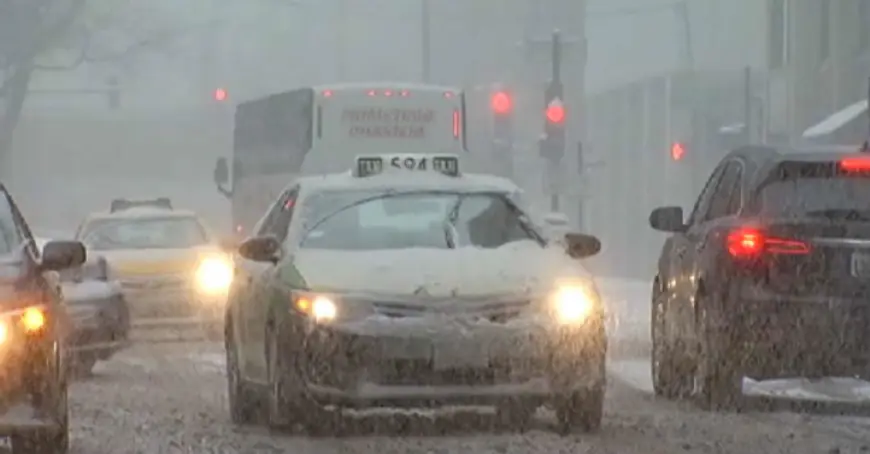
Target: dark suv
{"points": [[769, 276], [33, 324]]}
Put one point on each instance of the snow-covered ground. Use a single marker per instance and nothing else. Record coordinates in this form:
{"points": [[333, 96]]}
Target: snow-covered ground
{"points": [[628, 310], [171, 398]]}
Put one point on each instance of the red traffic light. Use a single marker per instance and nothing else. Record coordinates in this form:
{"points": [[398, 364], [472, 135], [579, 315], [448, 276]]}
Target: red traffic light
{"points": [[220, 94], [555, 113], [678, 151], [501, 103]]}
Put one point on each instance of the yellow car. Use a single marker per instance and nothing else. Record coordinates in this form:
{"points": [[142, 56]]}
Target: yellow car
{"points": [[172, 270]]}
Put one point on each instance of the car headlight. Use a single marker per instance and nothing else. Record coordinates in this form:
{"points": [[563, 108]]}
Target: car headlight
{"points": [[4, 332], [214, 275], [573, 303], [321, 308]]}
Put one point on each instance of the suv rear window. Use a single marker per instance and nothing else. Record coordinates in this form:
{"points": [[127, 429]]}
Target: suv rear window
{"points": [[799, 188]]}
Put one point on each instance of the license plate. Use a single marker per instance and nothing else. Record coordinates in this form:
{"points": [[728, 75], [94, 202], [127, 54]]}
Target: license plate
{"points": [[456, 355], [402, 348], [861, 264]]}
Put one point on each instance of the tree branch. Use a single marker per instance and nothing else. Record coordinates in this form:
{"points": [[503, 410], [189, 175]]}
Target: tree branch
{"points": [[85, 55]]}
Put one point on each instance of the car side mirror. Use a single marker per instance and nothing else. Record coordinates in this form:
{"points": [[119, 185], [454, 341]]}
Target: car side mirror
{"points": [[667, 219], [261, 249], [221, 172], [580, 245], [61, 255]]}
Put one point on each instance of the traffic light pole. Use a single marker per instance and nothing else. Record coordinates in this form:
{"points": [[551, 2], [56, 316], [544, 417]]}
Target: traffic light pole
{"points": [[555, 92], [425, 41]]}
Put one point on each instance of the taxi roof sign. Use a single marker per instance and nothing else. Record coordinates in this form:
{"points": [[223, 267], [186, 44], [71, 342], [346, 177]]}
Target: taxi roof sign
{"points": [[126, 204], [446, 164]]}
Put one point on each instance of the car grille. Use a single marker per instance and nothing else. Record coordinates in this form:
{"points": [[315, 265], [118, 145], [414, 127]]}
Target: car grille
{"points": [[155, 283], [158, 296], [500, 312], [421, 373]]}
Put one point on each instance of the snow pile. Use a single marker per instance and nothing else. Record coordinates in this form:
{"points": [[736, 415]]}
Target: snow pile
{"points": [[521, 267]]}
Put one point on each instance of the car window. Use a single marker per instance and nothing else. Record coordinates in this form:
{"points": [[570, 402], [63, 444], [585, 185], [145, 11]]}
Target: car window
{"points": [[488, 222], [721, 203], [428, 219], [10, 235], [704, 198], [277, 222], [814, 189], [145, 233]]}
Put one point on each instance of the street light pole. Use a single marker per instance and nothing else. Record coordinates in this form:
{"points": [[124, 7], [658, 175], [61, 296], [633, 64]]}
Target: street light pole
{"points": [[342, 39], [425, 40]]}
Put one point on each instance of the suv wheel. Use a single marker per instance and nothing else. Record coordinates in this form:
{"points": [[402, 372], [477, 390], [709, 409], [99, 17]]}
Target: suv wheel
{"points": [[669, 379], [288, 403], [718, 383]]}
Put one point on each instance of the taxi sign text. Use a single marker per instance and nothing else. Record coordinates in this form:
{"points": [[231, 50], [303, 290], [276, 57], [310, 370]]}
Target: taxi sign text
{"points": [[373, 165], [372, 122]]}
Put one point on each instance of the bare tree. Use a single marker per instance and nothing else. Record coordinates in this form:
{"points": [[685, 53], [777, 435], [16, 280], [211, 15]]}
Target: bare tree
{"points": [[60, 35]]}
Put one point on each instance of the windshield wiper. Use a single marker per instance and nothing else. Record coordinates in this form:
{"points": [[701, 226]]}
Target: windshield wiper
{"points": [[450, 223]]}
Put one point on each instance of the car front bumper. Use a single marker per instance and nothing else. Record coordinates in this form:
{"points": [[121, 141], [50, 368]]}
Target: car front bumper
{"points": [[380, 364], [187, 303], [25, 365]]}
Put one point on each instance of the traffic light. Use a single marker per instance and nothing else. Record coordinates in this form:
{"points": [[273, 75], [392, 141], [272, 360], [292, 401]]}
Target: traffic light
{"points": [[552, 145], [555, 114], [678, 151], [502, 103], [220, 94], [502, 106]]}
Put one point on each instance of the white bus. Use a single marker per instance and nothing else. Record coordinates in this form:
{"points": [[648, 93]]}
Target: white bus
{"points": [[321, 129]]}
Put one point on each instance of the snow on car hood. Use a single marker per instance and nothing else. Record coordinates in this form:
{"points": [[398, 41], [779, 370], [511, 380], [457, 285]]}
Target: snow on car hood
{"points": [[514, 268], [155, 261]]}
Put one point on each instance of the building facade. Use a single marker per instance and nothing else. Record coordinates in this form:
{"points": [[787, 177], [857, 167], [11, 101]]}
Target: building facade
{"points": [[818, 60]]}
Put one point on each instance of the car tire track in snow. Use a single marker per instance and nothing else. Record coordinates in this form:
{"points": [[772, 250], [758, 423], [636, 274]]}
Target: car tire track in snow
{"points": [[166, 398]]}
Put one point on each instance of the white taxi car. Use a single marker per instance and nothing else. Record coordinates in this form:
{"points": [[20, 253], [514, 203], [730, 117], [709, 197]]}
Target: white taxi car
{"points": [[406, 283]]}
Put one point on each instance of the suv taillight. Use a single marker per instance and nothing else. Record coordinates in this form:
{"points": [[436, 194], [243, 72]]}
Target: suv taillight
{"points": [[750, 243]]}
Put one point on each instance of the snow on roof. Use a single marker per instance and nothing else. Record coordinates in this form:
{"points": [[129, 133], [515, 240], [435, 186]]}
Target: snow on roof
{"points": [[384, 85], [415, 180], [836, 120], [144, 212]]}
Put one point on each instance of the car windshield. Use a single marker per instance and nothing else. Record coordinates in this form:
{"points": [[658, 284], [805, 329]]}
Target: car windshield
{"points": [[840, 197], [440, 220], [8, 231], [145, 233]]}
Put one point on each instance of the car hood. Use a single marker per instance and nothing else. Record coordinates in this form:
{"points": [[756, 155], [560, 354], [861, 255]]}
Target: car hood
{"points": [[515, 268], [155, 261]]}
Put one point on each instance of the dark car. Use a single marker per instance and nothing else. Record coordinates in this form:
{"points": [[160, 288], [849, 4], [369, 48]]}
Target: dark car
{"points": [[98, 312], [769, 276], [33, 327]]}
